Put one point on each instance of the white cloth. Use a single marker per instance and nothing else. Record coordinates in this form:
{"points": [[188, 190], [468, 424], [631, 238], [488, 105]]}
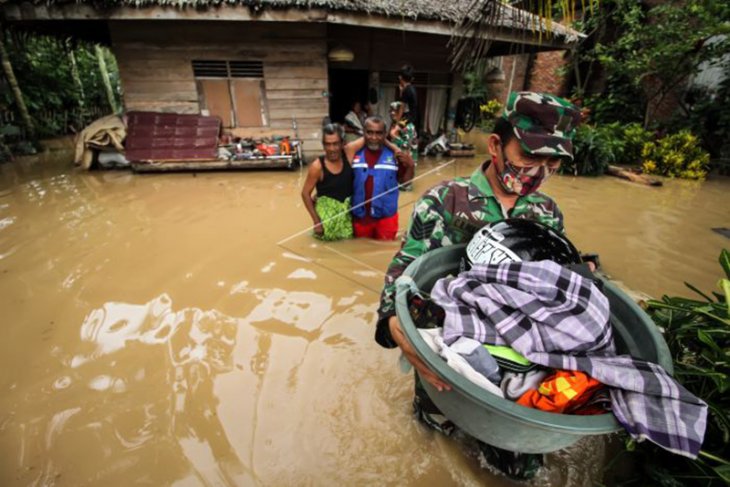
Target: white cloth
{"points": [[435, 341], [436, 99]]}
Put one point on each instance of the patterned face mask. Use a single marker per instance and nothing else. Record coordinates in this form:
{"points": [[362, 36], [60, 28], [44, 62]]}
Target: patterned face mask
{"points": [[523, 181]]}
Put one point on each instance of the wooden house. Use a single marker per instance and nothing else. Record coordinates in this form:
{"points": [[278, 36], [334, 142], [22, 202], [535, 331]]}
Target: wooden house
{"points": [[274, 66]]}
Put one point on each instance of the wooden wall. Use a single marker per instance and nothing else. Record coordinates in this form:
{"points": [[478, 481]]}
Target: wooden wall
{"points": [[155, 65], [389, 50]]}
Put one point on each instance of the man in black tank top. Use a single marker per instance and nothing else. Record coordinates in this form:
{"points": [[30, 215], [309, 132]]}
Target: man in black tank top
{"points": [[331, 175]]}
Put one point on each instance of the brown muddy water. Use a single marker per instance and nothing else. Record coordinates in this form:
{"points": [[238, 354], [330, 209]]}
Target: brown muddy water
{"points": [[154, 333]]}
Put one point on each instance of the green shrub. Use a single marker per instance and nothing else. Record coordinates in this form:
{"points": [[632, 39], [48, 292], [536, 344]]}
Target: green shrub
{"points": [[696, 332], [635, 137], [595, 147], [489, 112], [677, 155]]}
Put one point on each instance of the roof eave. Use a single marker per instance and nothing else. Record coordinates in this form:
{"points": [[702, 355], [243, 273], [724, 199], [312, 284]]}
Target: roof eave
{"points": [[561, 38]]}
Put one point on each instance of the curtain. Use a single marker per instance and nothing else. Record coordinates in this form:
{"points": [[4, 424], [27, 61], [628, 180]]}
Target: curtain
{"points": [[386, 97], [436, 99]]}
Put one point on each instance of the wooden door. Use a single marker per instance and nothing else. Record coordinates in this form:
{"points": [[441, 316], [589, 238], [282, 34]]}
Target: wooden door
{"points": [[218, 99], [247, 102]]}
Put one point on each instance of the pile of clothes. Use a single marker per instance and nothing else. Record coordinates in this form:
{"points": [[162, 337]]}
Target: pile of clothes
{"points": [[539, 334]]}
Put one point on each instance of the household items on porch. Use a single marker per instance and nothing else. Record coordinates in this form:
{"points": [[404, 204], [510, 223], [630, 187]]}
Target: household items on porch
{"points": [[447, 146], [461, 150], [105, 134], [245, 148], [559, 320]]}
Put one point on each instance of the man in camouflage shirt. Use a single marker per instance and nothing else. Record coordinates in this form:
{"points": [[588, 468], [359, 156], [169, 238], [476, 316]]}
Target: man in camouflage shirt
{"points": [[527, 145]]}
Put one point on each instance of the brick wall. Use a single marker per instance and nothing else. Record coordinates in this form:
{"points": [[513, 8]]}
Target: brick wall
{"points": [[501, 90], [545, 74]]}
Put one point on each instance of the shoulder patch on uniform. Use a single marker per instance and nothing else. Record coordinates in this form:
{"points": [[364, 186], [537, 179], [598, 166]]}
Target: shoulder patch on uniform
{"points": [[420, 229]]}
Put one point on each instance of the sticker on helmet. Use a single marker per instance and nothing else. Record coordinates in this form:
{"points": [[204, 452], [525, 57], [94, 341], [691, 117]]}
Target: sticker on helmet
{"points": [[485, 248]]}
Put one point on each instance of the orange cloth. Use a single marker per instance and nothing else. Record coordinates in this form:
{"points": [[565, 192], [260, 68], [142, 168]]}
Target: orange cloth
{"points": [[562, 392]]}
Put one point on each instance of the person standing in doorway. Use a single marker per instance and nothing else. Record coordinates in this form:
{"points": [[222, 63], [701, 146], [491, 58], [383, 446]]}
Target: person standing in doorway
{"points": [[331, 175], [408, 95]]}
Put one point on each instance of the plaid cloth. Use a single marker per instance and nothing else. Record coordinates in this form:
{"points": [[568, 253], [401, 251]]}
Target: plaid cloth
{"points": [[558, 319]]}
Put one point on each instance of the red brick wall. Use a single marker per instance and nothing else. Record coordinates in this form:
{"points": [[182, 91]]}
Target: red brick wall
{"points": [[499, 90], [545, 75]]}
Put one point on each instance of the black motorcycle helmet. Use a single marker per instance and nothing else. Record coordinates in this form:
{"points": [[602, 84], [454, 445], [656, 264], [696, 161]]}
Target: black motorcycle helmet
{"points": [[518, 240]]}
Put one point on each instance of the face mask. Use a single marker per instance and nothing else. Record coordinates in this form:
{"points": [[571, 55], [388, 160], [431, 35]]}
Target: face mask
{"points": [[522, 181]]}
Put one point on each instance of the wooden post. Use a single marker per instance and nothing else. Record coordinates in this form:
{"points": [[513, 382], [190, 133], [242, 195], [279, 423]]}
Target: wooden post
{"points": [[630, 176]]}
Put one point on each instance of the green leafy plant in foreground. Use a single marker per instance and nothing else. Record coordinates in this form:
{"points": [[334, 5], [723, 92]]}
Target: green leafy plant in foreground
{"points": [[697, 332]]}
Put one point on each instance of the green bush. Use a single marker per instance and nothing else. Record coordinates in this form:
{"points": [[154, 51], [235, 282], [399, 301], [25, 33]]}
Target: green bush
{"points": [[617, 102], [595, 147], [635, 137], [677, 155], [696, 331], [489, 112]]}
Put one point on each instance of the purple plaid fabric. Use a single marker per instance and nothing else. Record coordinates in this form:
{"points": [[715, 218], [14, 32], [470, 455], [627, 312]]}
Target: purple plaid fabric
{"points": [[558, 319]]}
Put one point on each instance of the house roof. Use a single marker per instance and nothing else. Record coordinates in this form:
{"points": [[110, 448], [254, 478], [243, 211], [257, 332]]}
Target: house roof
{"points": [[413, 9], [450, 12]]}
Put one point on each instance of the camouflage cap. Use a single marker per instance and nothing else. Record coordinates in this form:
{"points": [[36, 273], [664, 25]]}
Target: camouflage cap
{"points": [[543, 124]]}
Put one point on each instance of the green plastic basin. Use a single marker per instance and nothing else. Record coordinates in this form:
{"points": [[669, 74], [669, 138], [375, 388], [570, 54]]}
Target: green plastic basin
{"points": [[501, 422]]}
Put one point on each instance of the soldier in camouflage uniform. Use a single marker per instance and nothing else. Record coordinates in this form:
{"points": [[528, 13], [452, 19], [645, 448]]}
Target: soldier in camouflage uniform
{"points": [[529, 141]]}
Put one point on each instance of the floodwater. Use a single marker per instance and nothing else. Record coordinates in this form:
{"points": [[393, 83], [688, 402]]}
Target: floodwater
{"points": [[185, 329]]}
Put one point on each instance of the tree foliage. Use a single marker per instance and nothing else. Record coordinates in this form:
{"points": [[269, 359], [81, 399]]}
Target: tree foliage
{"points": [[43, 69], [644, 54], [696, 331]]}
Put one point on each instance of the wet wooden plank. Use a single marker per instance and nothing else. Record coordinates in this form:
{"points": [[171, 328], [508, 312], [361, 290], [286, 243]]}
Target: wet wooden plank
{"points": [[167, 107], [212, 165], [293, 94], [296, 84], [318, 104], [286, 70]]}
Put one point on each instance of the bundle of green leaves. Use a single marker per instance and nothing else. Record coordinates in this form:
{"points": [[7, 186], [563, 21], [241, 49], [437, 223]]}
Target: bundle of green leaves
{"points": [[697, 332]]}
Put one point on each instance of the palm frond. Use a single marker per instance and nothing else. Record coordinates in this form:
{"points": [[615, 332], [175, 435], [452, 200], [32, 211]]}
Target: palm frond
{"points": [[485, 19]]}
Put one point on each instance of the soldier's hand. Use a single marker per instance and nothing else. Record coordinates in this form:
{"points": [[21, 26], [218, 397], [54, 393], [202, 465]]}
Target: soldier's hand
{"points": [[405, 158], [426, 374]]}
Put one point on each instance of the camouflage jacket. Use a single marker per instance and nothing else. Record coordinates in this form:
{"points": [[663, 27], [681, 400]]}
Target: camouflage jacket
{"points": [[406, 140], [450, 213]]}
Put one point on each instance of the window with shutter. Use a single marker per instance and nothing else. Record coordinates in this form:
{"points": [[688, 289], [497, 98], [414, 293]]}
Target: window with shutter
{"points": [[233, 91]]}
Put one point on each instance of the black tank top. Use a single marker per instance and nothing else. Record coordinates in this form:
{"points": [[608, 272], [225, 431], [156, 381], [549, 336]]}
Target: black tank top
{"points": [[336, 186]]}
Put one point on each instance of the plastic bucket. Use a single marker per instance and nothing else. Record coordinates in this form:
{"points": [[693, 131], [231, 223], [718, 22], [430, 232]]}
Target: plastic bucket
{"points": [[501, 422]]}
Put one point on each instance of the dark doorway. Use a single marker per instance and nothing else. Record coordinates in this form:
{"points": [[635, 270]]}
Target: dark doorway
{"points": [[345, 87]]}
